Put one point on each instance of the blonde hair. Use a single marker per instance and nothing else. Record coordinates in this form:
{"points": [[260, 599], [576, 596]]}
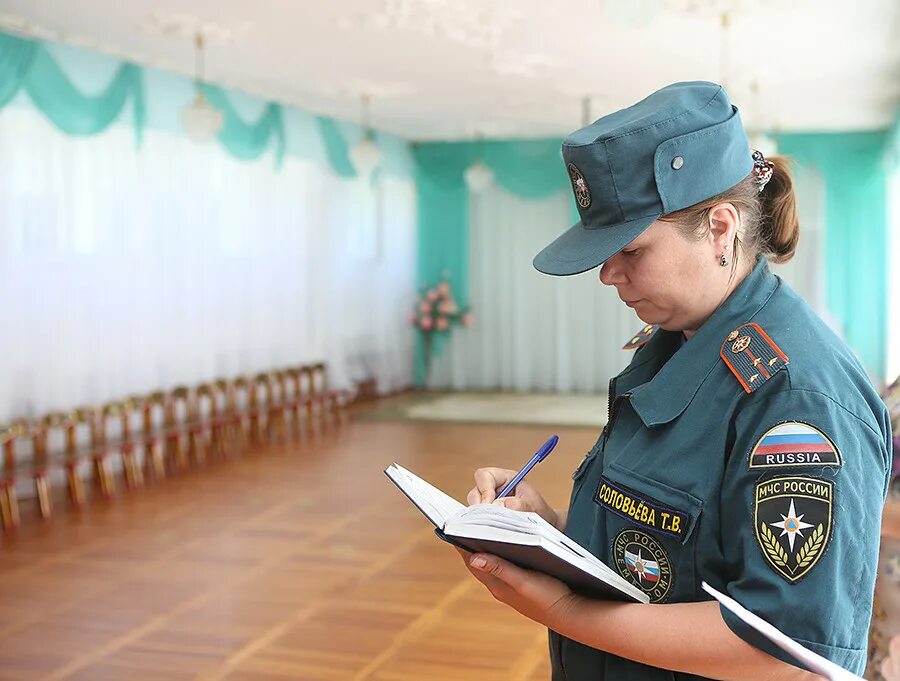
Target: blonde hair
{"points": [[769, 223]]}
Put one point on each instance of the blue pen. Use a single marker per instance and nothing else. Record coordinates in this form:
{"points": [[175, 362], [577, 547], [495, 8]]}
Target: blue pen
{"points": [[541, 454]]}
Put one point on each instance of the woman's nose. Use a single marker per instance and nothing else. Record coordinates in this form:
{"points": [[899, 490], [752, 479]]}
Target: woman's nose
{"points": [[610, 272]]}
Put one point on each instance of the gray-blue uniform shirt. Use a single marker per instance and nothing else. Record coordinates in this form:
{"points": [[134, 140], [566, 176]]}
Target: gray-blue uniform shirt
{"points": [[756, 458]]}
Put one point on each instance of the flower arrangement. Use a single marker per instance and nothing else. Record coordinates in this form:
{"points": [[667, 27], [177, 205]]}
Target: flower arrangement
{"points": [[436, 311]]}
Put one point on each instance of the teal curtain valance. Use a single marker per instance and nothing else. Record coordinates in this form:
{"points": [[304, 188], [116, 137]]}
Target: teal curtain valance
{"points": [[248, 141], [26, 65], [32, 67]]}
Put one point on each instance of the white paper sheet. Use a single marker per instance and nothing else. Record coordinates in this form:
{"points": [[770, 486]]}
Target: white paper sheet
{"points": [[813, 661]]}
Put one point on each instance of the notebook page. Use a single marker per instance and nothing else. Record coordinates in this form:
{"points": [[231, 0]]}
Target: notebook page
{"points": [[430, 500], [524, 523]]}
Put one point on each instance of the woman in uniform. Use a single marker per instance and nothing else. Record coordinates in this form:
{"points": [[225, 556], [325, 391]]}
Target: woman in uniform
{"points": [[745, 445]]}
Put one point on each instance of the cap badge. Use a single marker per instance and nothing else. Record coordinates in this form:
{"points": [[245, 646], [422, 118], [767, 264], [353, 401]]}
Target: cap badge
{"points": [[579, 186]]}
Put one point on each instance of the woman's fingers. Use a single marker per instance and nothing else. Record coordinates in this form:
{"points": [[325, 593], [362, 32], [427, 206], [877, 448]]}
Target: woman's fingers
{"points": [[487, 482], [512, 503]]}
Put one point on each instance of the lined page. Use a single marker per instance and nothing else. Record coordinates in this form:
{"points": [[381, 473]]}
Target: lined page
{"points": [[436, 505]]}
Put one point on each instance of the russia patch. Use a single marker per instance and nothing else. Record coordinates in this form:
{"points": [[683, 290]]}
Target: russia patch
{"points": [[793, 444]]}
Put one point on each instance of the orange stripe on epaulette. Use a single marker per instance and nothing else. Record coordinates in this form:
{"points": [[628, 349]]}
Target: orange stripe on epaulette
{"points": [[641, 337], [752, 356]]}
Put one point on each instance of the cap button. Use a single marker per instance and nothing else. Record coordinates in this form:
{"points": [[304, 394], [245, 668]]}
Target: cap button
{"points": [[677, 162]]}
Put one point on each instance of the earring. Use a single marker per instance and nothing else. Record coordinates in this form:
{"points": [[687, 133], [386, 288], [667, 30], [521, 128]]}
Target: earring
{"points": [[723, 260]]}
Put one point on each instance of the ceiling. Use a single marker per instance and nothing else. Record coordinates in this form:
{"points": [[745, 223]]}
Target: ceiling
{"points": [[455, 69]]}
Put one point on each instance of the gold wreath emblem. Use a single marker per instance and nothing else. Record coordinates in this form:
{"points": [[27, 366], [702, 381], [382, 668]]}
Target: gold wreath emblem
{"points": [[740, 344], [775, 551], [806, 556]]}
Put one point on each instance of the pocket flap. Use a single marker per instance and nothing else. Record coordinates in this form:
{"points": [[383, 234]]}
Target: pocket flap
{"points": [[648, 503]]}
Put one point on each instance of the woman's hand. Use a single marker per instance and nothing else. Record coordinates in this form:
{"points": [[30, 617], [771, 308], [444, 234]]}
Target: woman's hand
{"points": [[489, 481], [539, 597]]}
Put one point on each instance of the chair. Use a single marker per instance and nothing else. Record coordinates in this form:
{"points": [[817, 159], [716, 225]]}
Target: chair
{"points": [[9, 504], [82, 438], [310, 402], [111, 431], [129, 418], [176, 427], [292, 398], [49, 438], [201, 409], [257, 406], [331, 402], [228, 420], [153, 417], [276, 388], [241, 407]]}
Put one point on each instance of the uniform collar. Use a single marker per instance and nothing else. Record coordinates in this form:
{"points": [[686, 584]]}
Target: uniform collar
{"points": [[669, 392]]}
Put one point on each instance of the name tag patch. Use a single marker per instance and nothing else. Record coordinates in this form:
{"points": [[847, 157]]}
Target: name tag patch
{"points": [[641, 509], [794, 444]]}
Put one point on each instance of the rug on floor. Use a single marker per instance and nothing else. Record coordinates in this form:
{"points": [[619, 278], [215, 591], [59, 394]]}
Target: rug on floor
{"points": [[555, 409]]}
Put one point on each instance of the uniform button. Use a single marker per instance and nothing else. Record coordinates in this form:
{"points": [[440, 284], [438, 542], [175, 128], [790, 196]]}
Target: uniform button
{"points": [[677, 162]]}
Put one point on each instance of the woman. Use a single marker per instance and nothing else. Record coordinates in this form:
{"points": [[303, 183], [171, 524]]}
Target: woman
{"points": [[745, 445]]}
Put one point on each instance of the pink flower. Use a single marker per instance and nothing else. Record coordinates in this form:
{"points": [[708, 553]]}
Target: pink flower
{"points": [[425, 323], [442, 324], [468, 319], [432, 295], [448, 307], [424, 308], [444, 289]]}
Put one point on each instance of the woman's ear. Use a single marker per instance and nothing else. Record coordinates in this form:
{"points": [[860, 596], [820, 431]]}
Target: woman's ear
{"points": [[723, 225]]}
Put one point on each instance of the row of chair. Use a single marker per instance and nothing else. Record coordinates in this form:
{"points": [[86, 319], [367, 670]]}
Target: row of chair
{"points": [[158, 435]]}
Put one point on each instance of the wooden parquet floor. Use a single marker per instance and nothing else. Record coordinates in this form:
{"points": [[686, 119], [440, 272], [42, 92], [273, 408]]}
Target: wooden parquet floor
{"points": [[296, 562]]}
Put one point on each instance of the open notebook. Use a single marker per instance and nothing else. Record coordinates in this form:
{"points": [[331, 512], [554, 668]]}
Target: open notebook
{"points": [[525, 539]]}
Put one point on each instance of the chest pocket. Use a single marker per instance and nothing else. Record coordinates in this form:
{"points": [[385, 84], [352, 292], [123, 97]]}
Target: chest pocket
{"points": [[651, 531]]}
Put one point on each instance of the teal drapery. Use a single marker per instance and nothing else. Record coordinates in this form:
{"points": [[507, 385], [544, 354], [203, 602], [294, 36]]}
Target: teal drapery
{"points": [[26, 65], [30, 66], [336, 147], [248, 141], [852, 165], [528, 168]]}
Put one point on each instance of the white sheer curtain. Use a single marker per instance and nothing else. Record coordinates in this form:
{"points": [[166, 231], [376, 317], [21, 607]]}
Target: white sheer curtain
{"points": [[564, 334], [123, 271]]}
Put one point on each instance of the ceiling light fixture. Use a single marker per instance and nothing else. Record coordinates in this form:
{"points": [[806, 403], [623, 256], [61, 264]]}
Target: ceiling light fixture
{"points": [[365, 154], [478, 176], [200, 119]]}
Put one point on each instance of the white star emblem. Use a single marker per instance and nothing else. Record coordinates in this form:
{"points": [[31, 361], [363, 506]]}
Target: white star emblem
{"points": [[791, 525]]}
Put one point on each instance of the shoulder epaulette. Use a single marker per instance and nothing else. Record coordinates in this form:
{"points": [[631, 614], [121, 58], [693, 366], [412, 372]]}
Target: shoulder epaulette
{"points": [[641, 337], [752, 356]]}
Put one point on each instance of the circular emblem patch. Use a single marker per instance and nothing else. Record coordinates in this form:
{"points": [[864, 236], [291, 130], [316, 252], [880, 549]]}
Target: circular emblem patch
{"points": [[740, 344], [644, 562], [579, 186]]}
